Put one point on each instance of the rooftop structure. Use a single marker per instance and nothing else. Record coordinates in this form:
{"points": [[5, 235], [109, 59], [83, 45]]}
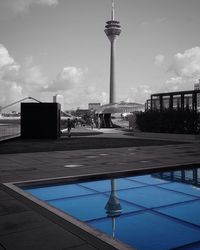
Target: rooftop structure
{"points": [[59, 99], [174, 100], [94, 105]]}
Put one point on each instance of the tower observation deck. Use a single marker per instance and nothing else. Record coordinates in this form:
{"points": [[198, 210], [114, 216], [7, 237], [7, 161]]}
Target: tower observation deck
{"points": [[112, 30]]}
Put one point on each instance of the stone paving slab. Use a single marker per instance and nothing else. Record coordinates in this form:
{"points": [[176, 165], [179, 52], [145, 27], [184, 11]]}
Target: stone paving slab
{"points": [[1, 247], [11, 206], [4, 195], [25, 166], [45, 238], [23, 221]]}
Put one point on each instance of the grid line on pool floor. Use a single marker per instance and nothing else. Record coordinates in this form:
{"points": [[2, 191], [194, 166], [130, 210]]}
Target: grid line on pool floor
{"points": [[143, 221], [176, 191], [167, 187], [157, 213], [191, 246], [134, 204], [136, 184]]}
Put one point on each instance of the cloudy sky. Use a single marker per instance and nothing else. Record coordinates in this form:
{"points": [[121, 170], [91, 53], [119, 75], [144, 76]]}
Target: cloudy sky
{"points": [[50, 47]]}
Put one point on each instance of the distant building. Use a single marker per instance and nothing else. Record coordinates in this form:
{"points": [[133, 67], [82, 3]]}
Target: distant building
{"points": [[81, 112], [59, 99], [94, 105], [122, 107], [111, 115]]}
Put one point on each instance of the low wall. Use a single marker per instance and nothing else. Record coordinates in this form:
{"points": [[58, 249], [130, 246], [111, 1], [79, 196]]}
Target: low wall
{"points": [[166, 136]]}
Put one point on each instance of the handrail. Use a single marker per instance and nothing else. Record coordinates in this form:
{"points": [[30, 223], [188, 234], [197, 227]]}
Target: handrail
{"points": [[21, 100], [29, 97]]}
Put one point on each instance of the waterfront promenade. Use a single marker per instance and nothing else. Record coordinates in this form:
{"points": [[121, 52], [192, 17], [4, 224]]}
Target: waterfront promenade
{"points": [[24, 225]]}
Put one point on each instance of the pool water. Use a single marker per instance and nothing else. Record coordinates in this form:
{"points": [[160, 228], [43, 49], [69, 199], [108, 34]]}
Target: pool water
{"points": [[152, 212]]}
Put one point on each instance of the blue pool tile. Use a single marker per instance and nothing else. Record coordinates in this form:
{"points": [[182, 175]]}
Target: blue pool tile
{"points": [[58, 191], [148, 231], [148, 179], [188, 211], [152, 196], [105, 185], [89, 207], [184, 188]]}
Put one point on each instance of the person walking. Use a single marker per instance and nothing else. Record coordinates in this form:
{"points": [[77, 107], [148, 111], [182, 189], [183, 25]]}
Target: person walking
{"points": [[92, 123], [69, 127], [99, 122]]}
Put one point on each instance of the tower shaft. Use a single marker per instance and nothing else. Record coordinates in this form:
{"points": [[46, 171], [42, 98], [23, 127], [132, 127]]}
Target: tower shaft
{"points": [[112, 98], [112, 30]]}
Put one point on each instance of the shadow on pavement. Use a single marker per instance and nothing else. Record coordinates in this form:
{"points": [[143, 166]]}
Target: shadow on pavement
{"points": [[75, 143]]}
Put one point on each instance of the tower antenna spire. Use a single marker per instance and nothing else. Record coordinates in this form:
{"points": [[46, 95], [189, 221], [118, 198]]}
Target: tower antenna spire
{"points": [[113, 11]]}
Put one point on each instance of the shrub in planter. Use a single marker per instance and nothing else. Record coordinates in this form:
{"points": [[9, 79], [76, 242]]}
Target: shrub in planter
{"points": [[169, 121]]}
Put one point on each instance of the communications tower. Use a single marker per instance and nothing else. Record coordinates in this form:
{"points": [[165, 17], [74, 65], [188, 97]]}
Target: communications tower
{"points": [[112, 30]]}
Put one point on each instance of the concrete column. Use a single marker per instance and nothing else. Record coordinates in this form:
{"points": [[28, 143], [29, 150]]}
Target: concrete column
{"points": [[171, 102], [161, 102], [182, 101], [151, 103], [194, 101]]}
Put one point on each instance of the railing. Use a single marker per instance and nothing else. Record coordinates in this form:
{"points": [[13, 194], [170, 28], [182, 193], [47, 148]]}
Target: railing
{"points": [[9, 127]]}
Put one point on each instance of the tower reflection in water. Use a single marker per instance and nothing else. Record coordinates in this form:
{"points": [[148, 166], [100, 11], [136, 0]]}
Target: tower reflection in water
{"points": [[113, 207]]}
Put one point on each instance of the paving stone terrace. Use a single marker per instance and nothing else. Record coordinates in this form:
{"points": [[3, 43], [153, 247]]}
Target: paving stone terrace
{"points": [[24, 225]]}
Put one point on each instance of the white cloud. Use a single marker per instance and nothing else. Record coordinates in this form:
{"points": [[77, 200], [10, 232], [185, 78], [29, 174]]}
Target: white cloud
{"points": [[186, 70], [5, 58], [9, 89], [18, 81], [26, 79], [67, 79], [79, 97], [9, 8], [139, 94], [72, 84], [187, 64], [30, 74], [47, 2], [159, 60]]}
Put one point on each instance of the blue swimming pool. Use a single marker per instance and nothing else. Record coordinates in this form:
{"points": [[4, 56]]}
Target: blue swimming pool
{"points": [[153, 212]]}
